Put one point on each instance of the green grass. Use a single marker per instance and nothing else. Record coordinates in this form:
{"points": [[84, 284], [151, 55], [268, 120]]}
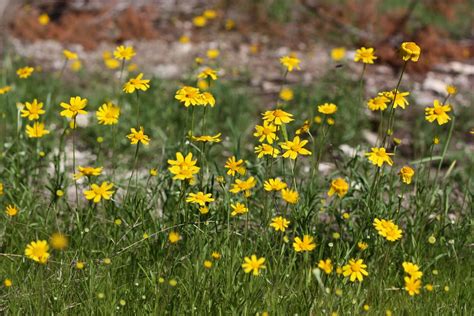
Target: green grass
{"points": [[141, 269]]}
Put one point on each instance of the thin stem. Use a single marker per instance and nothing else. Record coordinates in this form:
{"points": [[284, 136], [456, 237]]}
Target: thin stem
{"points": [[133, 171], [392, 108], [445, 149], [138, 110], [74, 157]]}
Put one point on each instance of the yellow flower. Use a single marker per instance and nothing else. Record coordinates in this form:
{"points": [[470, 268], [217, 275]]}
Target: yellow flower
{"points": [[274, 185], [136, 83], [87, 172], [277, 117], [108, 114], [173, 282], [365, 55], [80, 265], [5, 89], [412, 285], [234, 166], [59, 193], [198, 60], [355, 270], [238, 208], [200, 198], [290, 62], [303, 129], [43, 19], [429, 287], [253, 264], [400, 100], [216, 255], [294, 148], [7, 283], [286, 94], [75, 106], [208, 138], [200, 21], [33, 110], [213, 53], [124, 52], [379, 103], [325, 265], [243, 185], [339, 186], [37, 130], [70, 55], [229, 24], [139, 136], [96, 192], [38, 251], [406, 173], [305, 244], [189, 96], [59, 241], [452, 90], [432, 239], [76, 65], [204, 210], [207, 98], [184, 39], [111, 63], [412, 269], [208, 73], [153, 172], [11, 210], [290, 196], [410, 51], [202, 84], [266, 150], [174, 237], [266, 132], [207, 264], [387, 229], [438, 112], [338, 53], [362, 245], [25, 72], [1, 188], [378, 156], [327, 108], [279, 223], [183, 167], [210, 14]]}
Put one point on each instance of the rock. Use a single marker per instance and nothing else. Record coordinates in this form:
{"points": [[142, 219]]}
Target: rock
{"points": [[434, 84], [456, 68]]}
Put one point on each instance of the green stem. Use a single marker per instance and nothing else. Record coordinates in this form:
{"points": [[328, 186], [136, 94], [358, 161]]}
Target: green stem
{"points": [[74, 157], [133, 171]]}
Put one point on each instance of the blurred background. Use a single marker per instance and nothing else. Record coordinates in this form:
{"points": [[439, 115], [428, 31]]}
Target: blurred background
{"points": [[444, 29], [244, 40]]}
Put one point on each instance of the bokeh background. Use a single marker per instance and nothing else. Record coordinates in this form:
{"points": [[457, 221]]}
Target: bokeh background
{"points": [[250, 36]]}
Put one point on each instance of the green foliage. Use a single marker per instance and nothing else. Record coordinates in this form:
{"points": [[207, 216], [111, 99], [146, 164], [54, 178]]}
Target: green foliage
{"points": [[437, 204]]}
